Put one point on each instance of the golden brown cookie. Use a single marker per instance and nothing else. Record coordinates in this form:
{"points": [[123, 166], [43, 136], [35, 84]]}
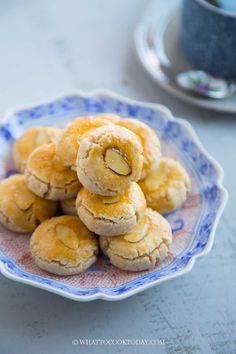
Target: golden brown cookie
{"points": [[47, 177], [63, 246], [109, 216], [166, 188], [68, 206], [29, 141], [109, 159], [20, 209], [69, 141], [113, 118], [150, 142], [145, 246]]}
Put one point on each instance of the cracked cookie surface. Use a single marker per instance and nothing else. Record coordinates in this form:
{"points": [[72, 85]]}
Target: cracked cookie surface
{"points": [[150, 143], [47, 177], [110, 216], [109, 159], [20, 209], [145, 246], [31, 140], [69, 141], [166, 188], [63, 246]]}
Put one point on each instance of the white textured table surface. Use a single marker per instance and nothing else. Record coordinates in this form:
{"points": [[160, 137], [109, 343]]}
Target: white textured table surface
{"points": [[46, 48]]}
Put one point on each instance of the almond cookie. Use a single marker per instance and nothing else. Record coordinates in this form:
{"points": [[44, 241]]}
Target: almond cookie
{"points": [[145, 246], [69, 141], [29, 141], [150, 142], [68, 206], [109, 159], [63, 246], [20, 209], [110, 216], [47, 177], [113, 118], [166, 188]]}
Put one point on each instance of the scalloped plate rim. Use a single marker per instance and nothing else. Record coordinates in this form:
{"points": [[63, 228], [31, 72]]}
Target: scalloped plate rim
{"points": [[190, 264]]}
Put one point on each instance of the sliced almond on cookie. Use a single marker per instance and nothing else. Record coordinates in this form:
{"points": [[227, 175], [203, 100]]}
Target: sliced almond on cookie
{"points": [[42, 138], [158, 178], [138, 233], [153, 183], [23, 204], [67, 236], [117, 162], [111, 200], [24, 200]]}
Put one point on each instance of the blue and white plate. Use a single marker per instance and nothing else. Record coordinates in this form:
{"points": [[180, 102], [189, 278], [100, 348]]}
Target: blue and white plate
{"points": [[193, 225]]}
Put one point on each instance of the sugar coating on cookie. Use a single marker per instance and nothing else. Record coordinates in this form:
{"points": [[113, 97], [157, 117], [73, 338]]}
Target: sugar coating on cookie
{"points": [[63, 246], [150, 142], [145, 246], [29, 141], [69, 141], [109, 216], [68, 206], [166, 188], [20, 209], [47, 177], [109, 159]]}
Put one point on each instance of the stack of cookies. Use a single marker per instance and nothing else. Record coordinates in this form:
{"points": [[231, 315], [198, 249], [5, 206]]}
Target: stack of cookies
{"points": [[112, 184]]}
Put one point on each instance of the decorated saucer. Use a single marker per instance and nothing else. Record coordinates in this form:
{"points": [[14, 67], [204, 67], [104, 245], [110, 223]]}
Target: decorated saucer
{"points": [[162, 20]]}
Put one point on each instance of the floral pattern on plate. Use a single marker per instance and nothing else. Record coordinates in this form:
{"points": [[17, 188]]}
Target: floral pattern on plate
{"points": [[193, 224]]}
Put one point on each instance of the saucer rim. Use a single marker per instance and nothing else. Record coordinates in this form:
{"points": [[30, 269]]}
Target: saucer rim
{"points": [[140, 51]]}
